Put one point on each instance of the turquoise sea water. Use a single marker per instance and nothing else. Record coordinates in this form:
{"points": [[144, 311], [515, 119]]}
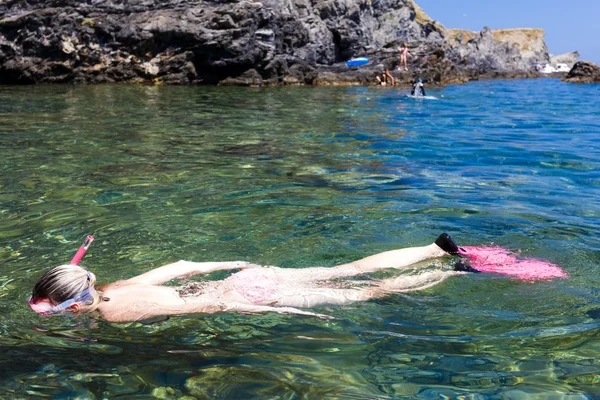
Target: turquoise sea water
{"points": [[300, 177]]}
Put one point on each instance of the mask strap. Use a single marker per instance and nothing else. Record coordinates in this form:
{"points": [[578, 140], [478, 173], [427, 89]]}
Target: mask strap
{"points": [[84, 295]]}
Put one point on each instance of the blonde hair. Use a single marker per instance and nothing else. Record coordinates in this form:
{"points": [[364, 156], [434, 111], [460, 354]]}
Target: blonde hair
{"points": [[63, 283]]}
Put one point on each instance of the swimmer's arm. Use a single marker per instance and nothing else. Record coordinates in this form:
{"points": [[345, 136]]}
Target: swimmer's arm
{"points": [[198, 306], [252, 308], [182, 269]]}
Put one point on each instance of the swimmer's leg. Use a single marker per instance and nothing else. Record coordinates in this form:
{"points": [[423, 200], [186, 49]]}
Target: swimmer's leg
{"points": [[399, 259], [306, 297], [410, 283], [403, 258]]}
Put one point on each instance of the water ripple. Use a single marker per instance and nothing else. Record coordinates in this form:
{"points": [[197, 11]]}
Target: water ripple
{"points": [[298, 177]]}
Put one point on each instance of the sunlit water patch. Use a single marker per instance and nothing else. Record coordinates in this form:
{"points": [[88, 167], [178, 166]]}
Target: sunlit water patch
{"points": [[300, 177]]}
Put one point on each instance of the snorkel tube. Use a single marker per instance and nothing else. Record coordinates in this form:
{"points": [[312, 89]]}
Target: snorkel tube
{"points": [[45, 307], [81, 252]]}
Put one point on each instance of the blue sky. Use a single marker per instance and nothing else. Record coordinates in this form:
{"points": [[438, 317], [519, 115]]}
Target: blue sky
{"points": [[569, 25]]}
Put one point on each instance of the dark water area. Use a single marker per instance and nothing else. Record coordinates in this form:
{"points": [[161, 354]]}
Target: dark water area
{"points": [[300, 177]]}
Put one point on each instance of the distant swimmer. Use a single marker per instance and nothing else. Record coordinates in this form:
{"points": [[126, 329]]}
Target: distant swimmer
{"points": [[418, 89], [72, 290]]}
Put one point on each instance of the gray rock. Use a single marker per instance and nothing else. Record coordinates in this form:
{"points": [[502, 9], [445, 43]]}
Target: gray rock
{"points": [[484, 54], [241, 42], [567, 58], [584, 72]]}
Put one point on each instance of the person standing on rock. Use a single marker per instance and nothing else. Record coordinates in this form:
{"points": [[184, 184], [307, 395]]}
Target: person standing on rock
{"points": [[404, 53]]}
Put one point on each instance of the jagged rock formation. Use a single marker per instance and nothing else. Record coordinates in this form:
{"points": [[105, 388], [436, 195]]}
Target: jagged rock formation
{"points": [[529, 41], [567, 58], [237, 42], [489, 54], [584, 72]]}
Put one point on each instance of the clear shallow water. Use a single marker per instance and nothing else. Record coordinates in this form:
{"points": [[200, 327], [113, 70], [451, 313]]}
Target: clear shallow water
{"points": [[298, 177]]}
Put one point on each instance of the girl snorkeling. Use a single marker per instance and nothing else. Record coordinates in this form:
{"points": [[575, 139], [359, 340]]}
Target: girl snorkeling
{"points": [[253, 289], [72, 289]]}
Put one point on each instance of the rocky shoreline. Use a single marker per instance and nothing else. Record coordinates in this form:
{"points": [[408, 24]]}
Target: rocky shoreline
{"points": [[583, 72], [233, 42]]}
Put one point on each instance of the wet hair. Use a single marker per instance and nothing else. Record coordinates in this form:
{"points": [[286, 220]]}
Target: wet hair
{"points": [[62, 283]]}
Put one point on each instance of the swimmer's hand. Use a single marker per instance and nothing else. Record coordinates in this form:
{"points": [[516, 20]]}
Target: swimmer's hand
{"points": [[246, 265]]}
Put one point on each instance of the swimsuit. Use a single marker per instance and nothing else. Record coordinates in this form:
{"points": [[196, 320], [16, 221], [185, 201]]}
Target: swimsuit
{"points": [[257, 285]]}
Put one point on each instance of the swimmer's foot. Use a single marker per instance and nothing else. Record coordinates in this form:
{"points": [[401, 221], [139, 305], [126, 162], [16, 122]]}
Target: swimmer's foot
{"points": [[445, 242], [462, 267]]}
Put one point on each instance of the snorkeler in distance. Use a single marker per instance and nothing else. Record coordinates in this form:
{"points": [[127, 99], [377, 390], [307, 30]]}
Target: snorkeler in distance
{"points": [[71, 289], [418, 89]]}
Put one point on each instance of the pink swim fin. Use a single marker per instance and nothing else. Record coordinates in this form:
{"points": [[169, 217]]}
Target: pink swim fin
{"points": [[494, 259]]}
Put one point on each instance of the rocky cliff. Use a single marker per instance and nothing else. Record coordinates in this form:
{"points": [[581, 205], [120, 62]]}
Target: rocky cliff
{"points": [[567, 58], [246, 42], [529, 41], [487, 52]]}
